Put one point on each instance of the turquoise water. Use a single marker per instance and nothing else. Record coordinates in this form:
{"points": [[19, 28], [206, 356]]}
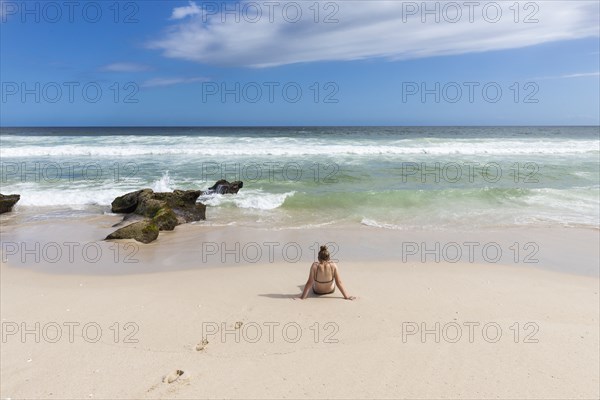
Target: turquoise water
{"points": [[385, 177]]}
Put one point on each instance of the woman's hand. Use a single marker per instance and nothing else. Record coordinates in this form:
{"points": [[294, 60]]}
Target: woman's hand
{"points": [[350, 298]]}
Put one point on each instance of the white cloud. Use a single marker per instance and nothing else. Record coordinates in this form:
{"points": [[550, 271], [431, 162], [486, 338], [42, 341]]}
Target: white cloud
{"points": [[366, 29], [125, 67], [156, 82], [569, 76], [182, 12], [581, 75]]}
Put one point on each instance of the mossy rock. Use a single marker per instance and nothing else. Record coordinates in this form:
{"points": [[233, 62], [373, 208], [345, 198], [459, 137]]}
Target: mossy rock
{"points": [[150, 230], [179, 198], [148, 207], [142, 231], [165, 219], [163, 212]]}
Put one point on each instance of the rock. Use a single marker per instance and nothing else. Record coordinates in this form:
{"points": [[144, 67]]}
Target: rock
{"points": [[142, 231], [179, 198], [163, 210], [165, 219], [126, 203], [183, 203], [224, 187], [147, 205], [8, 201], [191, 214]]}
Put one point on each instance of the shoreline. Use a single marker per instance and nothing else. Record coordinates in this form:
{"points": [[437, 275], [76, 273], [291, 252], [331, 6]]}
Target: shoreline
{"points": [[75, 246]]}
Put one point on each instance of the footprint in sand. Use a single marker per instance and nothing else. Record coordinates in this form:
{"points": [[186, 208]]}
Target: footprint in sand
{"points": [[238, 324], [173, 376], [200, 346]]}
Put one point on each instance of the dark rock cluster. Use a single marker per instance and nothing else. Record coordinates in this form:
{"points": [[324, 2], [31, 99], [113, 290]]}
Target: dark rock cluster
{"points": [[8, 201], [162, 211]]}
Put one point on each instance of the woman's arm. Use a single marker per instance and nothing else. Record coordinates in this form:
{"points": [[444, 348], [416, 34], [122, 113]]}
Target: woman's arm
{"points": [[309, 282], [340, 285]]}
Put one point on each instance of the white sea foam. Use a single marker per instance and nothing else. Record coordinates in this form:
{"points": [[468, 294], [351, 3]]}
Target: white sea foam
{"points": [[252, 199], [247, 146], [34, 194], [67, 197], [164, 184], [306, 226], [375, 224]]}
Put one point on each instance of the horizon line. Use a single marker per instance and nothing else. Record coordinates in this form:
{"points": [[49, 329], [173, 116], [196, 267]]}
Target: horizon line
{"points": [[292, 126]]}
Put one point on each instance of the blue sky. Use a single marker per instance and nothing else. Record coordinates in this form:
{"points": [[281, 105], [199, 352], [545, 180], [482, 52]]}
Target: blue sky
{"points": [[353, 62]]}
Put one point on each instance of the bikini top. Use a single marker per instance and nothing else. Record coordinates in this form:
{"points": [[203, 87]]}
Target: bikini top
{"points": [[318, 281]]}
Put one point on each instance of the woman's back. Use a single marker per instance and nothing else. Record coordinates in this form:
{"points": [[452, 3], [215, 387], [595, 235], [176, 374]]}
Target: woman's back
{"points": [[324, 273], [324, 277]]}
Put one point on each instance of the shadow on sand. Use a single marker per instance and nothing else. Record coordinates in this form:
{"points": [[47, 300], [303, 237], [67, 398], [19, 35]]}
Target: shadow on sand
{"points": [[291, 296]]}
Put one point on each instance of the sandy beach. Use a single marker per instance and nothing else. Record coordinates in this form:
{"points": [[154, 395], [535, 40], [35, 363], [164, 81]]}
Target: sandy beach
{"points": [[299, 200], [417, 330]]}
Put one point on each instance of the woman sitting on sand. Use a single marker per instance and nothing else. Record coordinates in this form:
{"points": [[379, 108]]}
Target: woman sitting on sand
{"points": [[322, 276]]}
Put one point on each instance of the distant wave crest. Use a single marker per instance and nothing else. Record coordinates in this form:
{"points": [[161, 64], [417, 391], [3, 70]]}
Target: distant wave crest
{"points": [[101, 147]]}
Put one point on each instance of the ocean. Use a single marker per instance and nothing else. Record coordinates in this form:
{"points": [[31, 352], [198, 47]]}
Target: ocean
{"points": [[382, 177]]}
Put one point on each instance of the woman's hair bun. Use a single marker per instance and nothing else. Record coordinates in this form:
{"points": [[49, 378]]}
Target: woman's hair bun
{"points": [[323, 254]]}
